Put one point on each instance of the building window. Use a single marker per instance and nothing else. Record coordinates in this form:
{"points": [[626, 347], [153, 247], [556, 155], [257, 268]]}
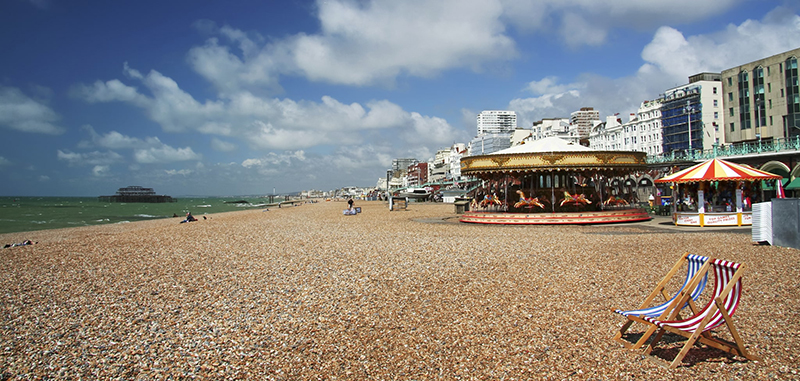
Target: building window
{"points": [[758, 96], [730, 81], [769, 87], [770, 120], [744, 100], [731, 111], [715, 89], [792, 87], [770, 104], [730, 97], [715, 103], [732, 128], [767, 70], [716, 115]]}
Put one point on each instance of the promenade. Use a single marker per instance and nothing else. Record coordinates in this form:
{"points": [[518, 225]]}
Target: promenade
{"points": [[307, 293]]}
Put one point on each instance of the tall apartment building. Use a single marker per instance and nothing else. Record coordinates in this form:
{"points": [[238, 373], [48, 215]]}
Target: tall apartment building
{"points": [[496, 121], [762, 99], [583, 120], [691, 114]]}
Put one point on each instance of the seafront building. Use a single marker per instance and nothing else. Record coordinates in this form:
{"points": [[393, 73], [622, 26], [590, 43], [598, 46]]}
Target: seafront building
{"points": [[439, 166], [583, 120], [691, 114], [417, 174], [495, 128], [457, 151], [607, 136], [762, 99], [662, 125], [496, 121], [642, 131]]}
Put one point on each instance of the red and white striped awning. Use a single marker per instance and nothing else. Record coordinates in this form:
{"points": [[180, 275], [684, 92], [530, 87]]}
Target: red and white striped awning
{"points": [[718, 170]]}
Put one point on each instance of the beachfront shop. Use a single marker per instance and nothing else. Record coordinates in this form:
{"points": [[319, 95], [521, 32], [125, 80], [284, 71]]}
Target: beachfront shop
{"points": [[716, 193]]}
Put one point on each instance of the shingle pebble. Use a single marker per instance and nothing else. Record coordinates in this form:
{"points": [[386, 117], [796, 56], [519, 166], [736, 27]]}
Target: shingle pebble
{"points": [[308, 293]]}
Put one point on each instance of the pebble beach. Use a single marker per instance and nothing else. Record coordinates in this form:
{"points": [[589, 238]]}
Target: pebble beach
{"points": [[306, 293]]}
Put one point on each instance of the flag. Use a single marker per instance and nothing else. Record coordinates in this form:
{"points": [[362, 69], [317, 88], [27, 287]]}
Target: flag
{"points": [[779, 189]]}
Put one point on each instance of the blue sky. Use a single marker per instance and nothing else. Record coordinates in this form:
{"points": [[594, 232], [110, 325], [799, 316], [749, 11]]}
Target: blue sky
{"points": [[243, 96]]}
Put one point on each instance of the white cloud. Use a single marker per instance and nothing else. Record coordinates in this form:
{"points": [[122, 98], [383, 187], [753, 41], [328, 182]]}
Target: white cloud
{"points": [[589, 22], [116, 140], [271, 123], [113, 90], [101, 170], [274, 159], [89, 158], [361, 43], [670, 58], [4, 162], [22, 113], [164, 154], [679, 57], [549, 85], [181, 172], [222, 146]]}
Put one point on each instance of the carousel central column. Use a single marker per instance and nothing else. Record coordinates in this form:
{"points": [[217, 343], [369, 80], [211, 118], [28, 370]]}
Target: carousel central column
{"points": [[701, 205]]}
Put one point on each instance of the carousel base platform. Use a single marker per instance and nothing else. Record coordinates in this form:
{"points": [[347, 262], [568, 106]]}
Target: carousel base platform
{"points": [[589, 217]]}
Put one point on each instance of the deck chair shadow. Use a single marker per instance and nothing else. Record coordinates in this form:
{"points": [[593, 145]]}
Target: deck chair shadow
{"points": [[694, 267], [718, 311]]}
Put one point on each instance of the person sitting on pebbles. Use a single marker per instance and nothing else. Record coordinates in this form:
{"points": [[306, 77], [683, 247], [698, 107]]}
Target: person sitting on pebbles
{"points": [[189, 218]]}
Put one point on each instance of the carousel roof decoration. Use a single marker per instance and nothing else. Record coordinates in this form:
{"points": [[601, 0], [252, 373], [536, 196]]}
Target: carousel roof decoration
{"points": [[718, 170], [552, 154]]}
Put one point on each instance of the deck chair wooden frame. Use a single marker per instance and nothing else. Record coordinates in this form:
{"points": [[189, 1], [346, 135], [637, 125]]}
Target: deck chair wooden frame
{"points": [[718, 311], [694, 268]]}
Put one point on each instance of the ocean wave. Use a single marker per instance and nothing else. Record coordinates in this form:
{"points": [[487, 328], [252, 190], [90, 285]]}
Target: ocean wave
{"points": [[145, 216], [102, 220], [202, 206], [124, 222]]}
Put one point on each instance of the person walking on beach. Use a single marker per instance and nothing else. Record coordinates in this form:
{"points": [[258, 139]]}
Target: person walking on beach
{"points": [[350, 203]]}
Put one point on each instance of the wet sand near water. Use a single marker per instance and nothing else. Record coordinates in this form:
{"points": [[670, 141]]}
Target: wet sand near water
{"points": [[308, 293]]}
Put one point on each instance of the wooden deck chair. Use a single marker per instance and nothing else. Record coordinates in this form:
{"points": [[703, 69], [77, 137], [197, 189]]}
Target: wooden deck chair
{"points": [[718, 311], [694, 266]]}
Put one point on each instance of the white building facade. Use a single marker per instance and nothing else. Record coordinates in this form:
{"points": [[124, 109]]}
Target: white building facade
{"points": [[496, 121], [584, 120]]}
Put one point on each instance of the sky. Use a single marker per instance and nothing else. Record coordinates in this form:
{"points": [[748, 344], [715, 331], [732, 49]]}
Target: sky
{"points": [[247, 97]]}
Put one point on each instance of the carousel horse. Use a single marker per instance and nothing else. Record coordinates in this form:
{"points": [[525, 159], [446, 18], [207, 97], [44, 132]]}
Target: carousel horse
{"points": [[577, 199], [490, 199], [528, 202], [613, 201]]}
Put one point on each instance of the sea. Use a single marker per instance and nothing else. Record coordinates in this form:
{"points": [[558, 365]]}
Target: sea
{"points": [[21, 214]]}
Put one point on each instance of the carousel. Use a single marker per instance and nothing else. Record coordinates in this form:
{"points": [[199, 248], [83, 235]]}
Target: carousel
{"points": [[553, 181], [715, 193]]}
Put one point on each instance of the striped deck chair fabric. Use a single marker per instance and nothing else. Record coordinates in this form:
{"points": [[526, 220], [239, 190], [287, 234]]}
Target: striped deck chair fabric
{"points": [[718, 311], [695, 262], [695, 266]]}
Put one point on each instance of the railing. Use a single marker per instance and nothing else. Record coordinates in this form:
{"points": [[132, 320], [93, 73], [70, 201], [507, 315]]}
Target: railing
{"points": [[736, 149]]}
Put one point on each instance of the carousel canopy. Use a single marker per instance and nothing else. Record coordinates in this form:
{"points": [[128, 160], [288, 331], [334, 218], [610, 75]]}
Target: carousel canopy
{"points": [[553, 154], [718, 170], [550, 144]]}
